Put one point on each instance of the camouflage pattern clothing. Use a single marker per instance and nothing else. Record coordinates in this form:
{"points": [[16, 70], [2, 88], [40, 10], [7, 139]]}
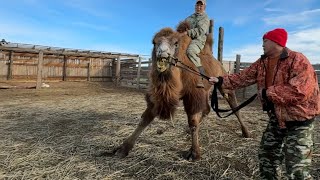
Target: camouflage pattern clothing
{"points": [[293, 144], [293, 101], [199, 27], [295, 91]]}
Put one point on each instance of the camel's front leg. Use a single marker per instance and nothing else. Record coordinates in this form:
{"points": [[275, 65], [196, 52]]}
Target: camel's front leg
{"points": [[194, 122], [127, 145]]}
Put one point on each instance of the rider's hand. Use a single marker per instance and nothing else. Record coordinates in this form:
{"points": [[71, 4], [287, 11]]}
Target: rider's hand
{"points": [[183, 33], [213, 80]]}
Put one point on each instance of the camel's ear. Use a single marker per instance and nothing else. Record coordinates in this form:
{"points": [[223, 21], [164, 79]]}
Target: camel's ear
{"points": [[165, 32], [183, 26]]}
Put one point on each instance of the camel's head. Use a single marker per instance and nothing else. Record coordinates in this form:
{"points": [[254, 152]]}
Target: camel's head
{"points": [[165, 45]]}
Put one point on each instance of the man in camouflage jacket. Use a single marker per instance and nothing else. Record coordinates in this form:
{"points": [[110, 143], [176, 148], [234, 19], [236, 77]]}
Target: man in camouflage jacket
{"points": [[199, 27], [289, 92]]}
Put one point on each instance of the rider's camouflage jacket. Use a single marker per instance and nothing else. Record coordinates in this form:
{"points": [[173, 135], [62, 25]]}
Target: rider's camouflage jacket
{"points": [[199, 27], [295, 90]]}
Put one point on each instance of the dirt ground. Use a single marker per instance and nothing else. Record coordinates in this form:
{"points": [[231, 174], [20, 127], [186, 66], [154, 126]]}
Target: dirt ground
{"points": [[57, 133]]}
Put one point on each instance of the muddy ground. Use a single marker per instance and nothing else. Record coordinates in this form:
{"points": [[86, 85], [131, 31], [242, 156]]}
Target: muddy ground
{"points": [[57, 133]]}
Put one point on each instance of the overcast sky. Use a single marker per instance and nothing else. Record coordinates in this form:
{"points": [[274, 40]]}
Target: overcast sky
{"points": [[128, 26]]}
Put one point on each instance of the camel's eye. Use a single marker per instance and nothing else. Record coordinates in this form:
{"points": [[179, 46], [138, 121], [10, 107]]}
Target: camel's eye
{"points": [[176, 44]]}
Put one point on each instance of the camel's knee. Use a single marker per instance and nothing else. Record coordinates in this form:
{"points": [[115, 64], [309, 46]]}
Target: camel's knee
{"points": [[147, 117], [194, 120], [146, 113], [193, 124]]}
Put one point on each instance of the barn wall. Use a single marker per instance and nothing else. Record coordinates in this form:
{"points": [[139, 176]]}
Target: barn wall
{"points": [[3, 65]]}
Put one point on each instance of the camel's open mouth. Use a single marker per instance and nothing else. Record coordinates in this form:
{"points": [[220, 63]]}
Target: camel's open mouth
{"points": [[162, 64]]}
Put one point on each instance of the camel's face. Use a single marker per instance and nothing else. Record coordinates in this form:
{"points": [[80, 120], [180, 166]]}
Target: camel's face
{"points": [[165, 50]]}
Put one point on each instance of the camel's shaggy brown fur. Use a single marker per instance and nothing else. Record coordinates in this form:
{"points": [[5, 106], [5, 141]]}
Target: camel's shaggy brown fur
{"points": [[168, 87]]}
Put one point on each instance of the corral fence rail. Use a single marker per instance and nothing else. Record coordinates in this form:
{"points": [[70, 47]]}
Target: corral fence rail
{"points": [[131, 76]]}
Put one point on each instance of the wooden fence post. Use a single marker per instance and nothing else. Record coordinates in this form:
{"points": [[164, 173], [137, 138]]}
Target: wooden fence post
{"points": [[139, 73], [238, 64], [238, 57], [211, 31], [118, 69], [10, 67], [150, 63], [220, 44], [64, 68], [39, 70], [211, 26], [88, 75]]}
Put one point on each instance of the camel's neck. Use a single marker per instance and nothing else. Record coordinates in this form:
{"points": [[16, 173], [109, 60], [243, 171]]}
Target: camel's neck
{"points": [[165, 92]]}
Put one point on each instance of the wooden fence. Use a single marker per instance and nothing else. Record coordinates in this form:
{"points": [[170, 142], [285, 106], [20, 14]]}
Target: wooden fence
{"points": [[135, 74], [21, 62], [24, 67]]}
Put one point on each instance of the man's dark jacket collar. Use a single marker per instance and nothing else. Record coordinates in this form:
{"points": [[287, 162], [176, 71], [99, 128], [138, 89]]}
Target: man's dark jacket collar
{"points": [[284, 54]]}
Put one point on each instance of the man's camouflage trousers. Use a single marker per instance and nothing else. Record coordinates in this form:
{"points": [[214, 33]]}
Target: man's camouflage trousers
{"points": [[294, 145]]}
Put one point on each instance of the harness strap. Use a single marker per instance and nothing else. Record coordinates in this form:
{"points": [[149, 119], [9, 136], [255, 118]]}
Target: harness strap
{"points": [[215, 104], [214, 96], [188, 68]]}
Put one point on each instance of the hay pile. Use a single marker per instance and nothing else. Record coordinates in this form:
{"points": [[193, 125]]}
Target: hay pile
{"points": [[58, 132]]}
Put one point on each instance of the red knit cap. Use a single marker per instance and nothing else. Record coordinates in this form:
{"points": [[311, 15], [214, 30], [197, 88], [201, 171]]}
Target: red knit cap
{"points": [[278, 36]]}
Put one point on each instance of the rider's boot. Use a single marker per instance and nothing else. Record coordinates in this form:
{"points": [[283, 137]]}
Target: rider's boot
{"points": [[200, 79]]}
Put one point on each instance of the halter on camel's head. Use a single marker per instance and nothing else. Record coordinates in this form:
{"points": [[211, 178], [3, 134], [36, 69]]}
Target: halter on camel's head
{"points": [[165, 43], [166, 46]]}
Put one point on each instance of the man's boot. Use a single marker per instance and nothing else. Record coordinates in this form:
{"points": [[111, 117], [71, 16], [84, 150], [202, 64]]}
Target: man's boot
{"points": [[200, 79]]}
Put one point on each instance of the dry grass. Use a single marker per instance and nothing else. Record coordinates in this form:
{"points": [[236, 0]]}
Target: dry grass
{"points": [[57, 132]]}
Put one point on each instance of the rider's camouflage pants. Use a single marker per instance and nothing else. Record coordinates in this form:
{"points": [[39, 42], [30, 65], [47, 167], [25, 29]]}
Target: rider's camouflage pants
{"points": [[193, 51], [294, 145]]}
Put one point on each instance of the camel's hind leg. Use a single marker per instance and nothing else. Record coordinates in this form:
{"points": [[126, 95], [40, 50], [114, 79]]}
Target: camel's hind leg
{"points": [[127, 145], [232, 100]]}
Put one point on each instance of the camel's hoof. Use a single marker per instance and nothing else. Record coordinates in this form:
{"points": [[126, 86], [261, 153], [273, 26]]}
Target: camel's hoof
{"points": [[190, 155], [120, 152], [106, 153], [246, 135]]}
